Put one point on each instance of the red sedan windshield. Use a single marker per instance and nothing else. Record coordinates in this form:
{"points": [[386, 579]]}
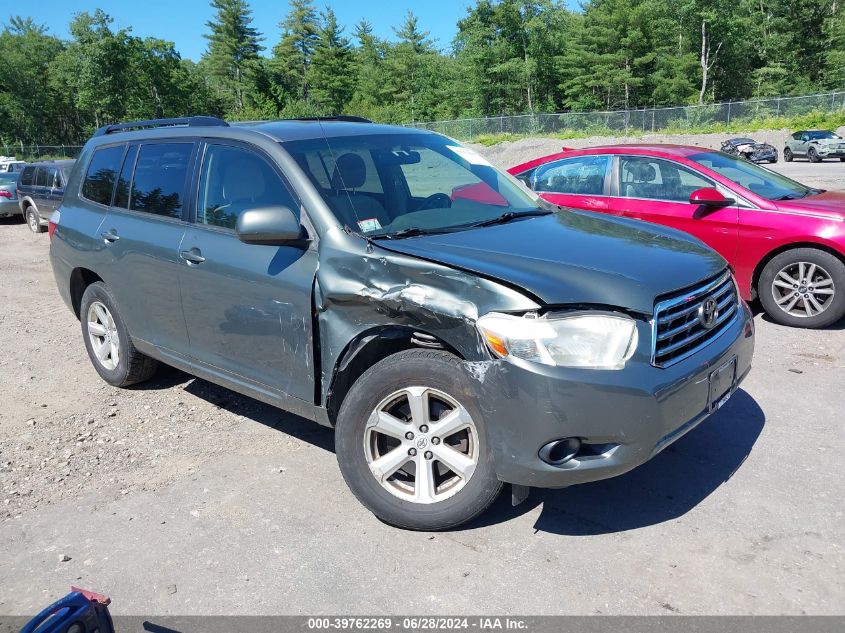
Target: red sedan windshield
{"points": [[765, 183]]}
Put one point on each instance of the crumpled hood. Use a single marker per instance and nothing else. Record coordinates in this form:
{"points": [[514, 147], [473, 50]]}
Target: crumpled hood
{"points": [[575, 257]]}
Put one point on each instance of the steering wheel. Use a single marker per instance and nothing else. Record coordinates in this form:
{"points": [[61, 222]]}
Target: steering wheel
{"points": [[436, 201]]}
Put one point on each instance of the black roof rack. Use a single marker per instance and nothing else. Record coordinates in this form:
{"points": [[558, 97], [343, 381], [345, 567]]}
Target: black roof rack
{"points": [[338, 117], [189, 121]]}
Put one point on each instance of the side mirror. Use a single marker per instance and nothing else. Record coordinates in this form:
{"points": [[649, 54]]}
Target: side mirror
{"points": [[710, 198], [273, 226]]}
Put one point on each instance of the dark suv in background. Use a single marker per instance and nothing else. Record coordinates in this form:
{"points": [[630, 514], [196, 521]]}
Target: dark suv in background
{"points": [[456, 331], [41, 187]]}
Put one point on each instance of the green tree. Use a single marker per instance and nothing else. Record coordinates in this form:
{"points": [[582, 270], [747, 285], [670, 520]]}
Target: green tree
{"points": [[292, 55], [331, 69], [30, 110], [231, 58]]}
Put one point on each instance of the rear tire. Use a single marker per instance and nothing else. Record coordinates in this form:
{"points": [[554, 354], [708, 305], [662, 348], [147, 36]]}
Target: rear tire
{"points": [[33, 220], [787, 155], [814, 301], [107, 340], [813, 155], [443, 394]]}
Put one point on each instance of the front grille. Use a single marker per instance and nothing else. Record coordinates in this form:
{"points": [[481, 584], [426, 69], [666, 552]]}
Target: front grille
{"points": [[678, 329]]}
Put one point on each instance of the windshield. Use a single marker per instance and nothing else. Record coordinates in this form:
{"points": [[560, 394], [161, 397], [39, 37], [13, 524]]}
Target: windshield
{"points": [[382, 184], [765, 183], [814, 136]]}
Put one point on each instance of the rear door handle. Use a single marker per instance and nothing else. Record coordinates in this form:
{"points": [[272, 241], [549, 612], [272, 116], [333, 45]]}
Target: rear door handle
{"points": [[193, 256], [110, 236]]}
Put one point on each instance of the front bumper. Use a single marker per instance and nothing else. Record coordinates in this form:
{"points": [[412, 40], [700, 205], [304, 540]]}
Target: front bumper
{"points": [[831, 152], [764, 156], [623, 418]]}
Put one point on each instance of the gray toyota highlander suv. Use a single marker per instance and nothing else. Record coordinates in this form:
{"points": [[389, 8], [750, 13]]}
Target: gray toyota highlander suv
{"points": [[455, 331]]}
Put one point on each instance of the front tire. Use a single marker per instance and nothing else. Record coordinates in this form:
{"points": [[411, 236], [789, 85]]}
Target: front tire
{"points": [[813, 155], [787, 155], [108, 342], [803, 287], [412, 445]]}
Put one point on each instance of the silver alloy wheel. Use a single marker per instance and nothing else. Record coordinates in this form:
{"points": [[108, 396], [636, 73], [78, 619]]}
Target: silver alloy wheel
{"points": [[803, 289], [102, 332], [421, 445], [32, 219]]}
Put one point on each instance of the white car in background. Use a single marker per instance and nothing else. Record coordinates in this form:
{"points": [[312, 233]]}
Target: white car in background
{"points": [[10, 164], [816, 145]]}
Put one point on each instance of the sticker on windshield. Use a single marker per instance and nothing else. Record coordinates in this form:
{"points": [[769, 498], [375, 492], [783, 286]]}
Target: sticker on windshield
{"points": [[370, 224], [470, 156]]}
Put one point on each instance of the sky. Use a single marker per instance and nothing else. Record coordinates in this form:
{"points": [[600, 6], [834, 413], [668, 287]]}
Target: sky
{"points": [[183, 21]]}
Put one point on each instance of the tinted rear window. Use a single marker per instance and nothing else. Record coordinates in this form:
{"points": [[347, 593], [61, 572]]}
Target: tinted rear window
{"points": [[121, 196], [45, 176], [101, 174], [26, 175], [158, 185]]}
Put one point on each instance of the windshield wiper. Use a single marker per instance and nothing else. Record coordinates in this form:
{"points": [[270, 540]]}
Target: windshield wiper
{"points": [[798, 196], [511, 215], [411, 231]]}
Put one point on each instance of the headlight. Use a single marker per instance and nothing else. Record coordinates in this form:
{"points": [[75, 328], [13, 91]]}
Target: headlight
{"points": [[591, 341]]}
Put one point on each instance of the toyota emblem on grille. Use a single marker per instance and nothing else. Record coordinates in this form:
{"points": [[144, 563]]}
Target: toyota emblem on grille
{"points": [[708, 312]]}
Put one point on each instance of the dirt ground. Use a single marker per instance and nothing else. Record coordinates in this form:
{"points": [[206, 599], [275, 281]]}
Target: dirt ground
{"points": [[180, 497]]}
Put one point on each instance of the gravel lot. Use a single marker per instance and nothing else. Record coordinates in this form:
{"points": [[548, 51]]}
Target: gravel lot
{"points": [[179, 497]]}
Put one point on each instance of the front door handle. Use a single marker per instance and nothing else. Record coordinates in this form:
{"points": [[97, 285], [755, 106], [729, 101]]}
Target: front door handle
{"points": [[193, 256], [110, 236]]}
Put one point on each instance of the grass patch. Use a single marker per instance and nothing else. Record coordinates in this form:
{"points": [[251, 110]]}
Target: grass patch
{"points": [[811, 120]]}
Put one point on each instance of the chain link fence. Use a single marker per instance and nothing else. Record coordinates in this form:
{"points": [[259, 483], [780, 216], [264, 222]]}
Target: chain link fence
{"points": [[30, 153], [646, 120]]}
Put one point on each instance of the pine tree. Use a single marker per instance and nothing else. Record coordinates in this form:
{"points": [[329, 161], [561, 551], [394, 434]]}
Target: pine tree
{"points": [[407, 63], [232, 54], [292, 55], [331, 71]]}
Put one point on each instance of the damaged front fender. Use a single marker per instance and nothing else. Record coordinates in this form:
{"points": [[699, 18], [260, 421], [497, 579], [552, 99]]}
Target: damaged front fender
{"points": [[361, 287]]}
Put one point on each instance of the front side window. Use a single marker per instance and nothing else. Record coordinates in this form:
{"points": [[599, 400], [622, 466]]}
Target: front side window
{"points": [[234, 180], [582, 175], [426, 182], [158, 185], [656, 179], [763, 182], [102, 170]]}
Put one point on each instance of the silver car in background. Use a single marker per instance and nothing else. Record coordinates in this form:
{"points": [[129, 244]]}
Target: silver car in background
{"points": [[816, 145], [9, 194]]}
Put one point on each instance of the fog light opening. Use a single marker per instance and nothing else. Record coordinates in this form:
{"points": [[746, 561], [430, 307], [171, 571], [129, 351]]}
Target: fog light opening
{"points": [[558, 452]]}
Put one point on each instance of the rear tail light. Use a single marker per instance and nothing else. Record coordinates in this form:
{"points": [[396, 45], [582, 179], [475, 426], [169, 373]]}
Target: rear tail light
{"points": [[5, 194], [52, 223]]}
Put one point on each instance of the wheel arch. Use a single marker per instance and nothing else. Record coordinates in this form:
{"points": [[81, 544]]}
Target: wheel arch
{"points": [[25, 202], [758, 269], [80, 279], [368, 348]]}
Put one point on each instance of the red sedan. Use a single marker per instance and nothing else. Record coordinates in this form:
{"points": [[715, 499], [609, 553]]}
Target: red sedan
{"points": [[785, 241]]}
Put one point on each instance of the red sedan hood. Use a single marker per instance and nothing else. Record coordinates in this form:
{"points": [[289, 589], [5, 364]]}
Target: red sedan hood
{"points": [[829, 203]]}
